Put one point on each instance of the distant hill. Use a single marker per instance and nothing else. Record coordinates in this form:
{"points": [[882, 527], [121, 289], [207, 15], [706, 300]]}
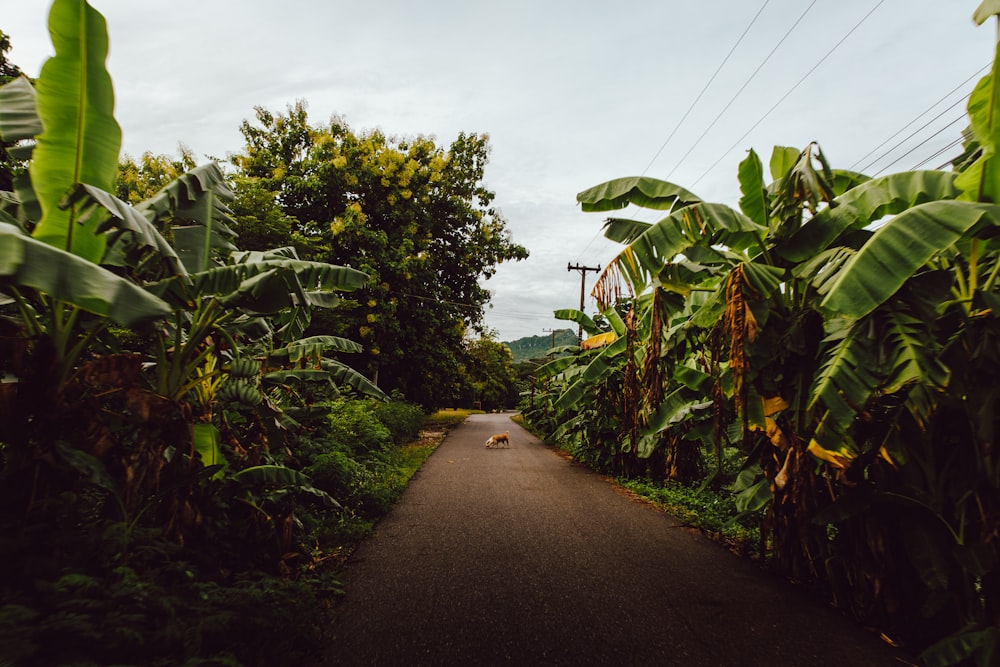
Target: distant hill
{"points": [[534, 347]]}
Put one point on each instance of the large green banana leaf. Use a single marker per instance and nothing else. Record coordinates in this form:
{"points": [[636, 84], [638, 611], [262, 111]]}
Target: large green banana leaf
{"points": [[698, 224], [579, 317], [865, 204], [19, 111], [599, 368], [206, 440], [638, 190], [26, 262], [80, 139], [228, 279], [555, 366], [197, 197], [344, 375], [125, 225], [753, 201], [623, 230], [898, 249], [314, 346], [981, 180]]}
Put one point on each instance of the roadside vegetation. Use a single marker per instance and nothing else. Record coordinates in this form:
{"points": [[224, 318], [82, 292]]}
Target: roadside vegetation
{"points": [[187, 451], [813, 370]]}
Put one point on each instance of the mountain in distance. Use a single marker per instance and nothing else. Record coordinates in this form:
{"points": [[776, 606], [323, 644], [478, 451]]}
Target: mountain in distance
{"points": [[535, 347]]}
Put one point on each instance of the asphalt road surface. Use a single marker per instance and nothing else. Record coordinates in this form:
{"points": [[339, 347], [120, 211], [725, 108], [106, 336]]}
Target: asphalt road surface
{"points": [[519, 556]]}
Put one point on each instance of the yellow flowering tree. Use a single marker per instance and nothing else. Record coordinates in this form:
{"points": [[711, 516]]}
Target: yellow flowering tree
{"points": [[414, 215]]}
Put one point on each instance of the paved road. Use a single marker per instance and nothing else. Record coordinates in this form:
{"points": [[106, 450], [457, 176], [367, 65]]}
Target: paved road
{"points": [[518, 556]]}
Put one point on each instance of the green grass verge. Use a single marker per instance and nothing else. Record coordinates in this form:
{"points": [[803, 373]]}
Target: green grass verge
{"points": [[710, 511]]}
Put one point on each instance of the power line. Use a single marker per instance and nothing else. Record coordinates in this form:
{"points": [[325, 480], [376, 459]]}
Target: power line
{"points": [[790, 91], [691, 108], [745, 84], [910, 136], [922, 113], [939, 153], [959, 119], [703, 90]]}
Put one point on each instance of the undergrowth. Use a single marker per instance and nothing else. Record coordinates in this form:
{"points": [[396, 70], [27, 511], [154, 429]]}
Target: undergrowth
{"points": [[250, 584], [713, 512]]}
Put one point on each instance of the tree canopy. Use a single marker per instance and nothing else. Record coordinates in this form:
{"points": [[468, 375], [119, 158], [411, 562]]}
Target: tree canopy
{"points": [[9, 167], [414, 215]]}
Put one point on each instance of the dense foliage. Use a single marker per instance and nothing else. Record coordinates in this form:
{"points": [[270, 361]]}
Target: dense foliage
{"points": [[487, 379], [414, 216], [840, 335], [178, 460], [9, 166]]}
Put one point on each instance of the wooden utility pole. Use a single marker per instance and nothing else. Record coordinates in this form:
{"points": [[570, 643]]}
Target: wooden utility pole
{"points": [[553, 332], [583, 282]]}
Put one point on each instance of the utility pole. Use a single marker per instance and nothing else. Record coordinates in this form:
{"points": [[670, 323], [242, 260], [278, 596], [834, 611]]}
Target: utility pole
{"points": [[553, 332], [583, 282]]}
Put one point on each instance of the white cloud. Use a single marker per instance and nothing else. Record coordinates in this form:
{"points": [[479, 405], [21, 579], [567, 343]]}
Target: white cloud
{"points": [[572, 93]]}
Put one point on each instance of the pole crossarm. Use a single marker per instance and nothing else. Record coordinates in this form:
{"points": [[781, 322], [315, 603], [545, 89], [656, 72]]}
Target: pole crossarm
{"points": [[583, 282]]}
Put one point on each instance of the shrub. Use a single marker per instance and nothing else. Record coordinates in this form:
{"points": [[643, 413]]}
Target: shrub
{"points": [[403, 420], [354, 424]]}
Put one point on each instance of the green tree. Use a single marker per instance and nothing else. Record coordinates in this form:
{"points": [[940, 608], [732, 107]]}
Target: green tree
{"points": [[9, 166], [489, 379], [413, 215], [140, 180]]}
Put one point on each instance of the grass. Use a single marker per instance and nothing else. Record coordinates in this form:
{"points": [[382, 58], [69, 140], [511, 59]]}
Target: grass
{"points": [[449, 417], [711, 512]]}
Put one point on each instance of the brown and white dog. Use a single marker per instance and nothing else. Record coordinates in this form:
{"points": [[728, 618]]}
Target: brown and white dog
{"points": [[495, 440]]}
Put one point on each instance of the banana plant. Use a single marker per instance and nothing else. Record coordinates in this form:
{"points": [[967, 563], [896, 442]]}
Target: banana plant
{"points": [[75, 259], [847, 313]]}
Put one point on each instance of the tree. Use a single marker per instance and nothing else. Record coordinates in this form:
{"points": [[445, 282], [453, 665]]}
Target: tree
{"points": [[489, 379], [9, 166], [413, 215], [138, 181]]}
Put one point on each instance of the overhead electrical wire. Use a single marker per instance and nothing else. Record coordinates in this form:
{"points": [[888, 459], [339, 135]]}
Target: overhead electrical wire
{"points": [[743, 87], [790, 91], [923, 113], [910, 136], [907, 153], [938, 154], [709, 83], [694, 103]]}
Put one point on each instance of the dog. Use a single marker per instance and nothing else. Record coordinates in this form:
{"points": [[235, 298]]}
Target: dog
{"points": [[495, 440]]}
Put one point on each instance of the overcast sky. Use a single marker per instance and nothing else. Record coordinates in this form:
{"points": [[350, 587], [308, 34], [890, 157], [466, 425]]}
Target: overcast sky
{"points": [[572, 93]]}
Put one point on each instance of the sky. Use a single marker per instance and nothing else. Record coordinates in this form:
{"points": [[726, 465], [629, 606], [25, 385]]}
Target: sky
{"points": [[571, 92]]}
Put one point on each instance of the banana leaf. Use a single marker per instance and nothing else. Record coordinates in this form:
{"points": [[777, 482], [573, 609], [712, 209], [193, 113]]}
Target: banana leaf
{"points": [[80, 139], [981, 180], [197, 197], [638, 190], [19, 111], [206, 443], [224, 280], [699, 224], [623, 230], [125, 225], [26, 262], [865, 204], [296, 376], [344, 375], [579, 317], [753, 203], [313, 347], [900, 248]]}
